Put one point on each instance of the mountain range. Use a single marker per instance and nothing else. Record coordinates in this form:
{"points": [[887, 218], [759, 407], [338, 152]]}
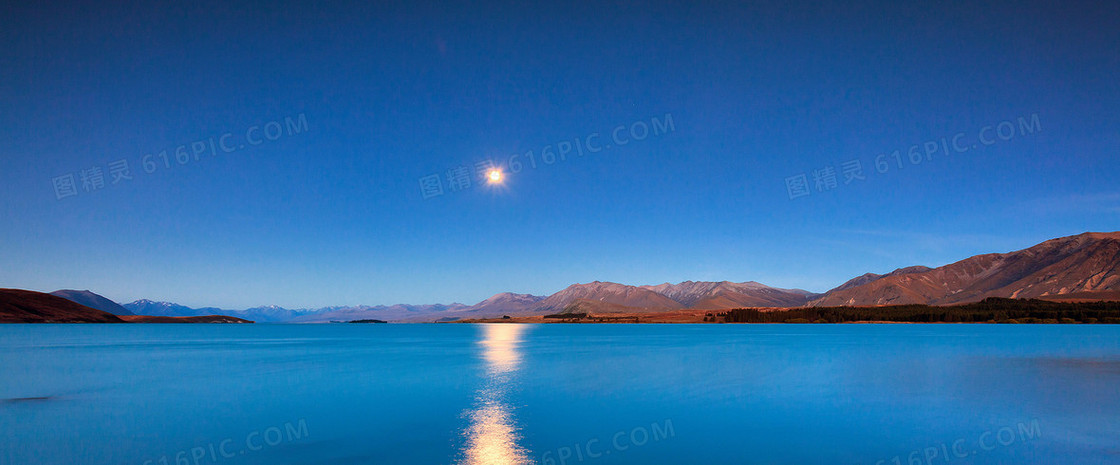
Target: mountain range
{"points": [[1085, 266], [591, 297], [269, 314], [93, 301], [23, 306]]}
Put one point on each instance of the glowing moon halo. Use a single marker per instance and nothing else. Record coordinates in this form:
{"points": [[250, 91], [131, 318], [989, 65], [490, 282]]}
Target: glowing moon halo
{"points": [[494, 176]]}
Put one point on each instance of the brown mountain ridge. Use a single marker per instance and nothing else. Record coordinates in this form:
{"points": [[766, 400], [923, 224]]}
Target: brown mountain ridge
{"points": [[1086, 265], [20, 306]]}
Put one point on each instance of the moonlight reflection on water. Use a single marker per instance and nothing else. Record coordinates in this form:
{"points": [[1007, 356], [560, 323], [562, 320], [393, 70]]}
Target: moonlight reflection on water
{"points": [[492, 435]]}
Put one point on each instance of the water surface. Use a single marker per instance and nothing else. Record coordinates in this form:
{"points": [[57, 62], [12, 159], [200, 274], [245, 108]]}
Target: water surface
{"points": [[553, 394]]}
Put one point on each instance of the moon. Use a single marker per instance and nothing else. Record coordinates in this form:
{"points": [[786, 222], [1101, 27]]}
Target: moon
{"points": [[494, 176]]}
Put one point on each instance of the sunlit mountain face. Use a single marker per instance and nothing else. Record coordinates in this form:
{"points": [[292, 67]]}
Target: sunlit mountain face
{"points": [[493, 433]]}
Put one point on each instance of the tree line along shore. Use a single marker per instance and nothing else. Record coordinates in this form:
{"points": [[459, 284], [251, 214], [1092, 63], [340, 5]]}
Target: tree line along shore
{"points": [[990, 310]]}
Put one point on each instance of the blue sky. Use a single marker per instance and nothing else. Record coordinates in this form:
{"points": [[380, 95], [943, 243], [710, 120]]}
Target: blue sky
{"points": [[334, 214]]}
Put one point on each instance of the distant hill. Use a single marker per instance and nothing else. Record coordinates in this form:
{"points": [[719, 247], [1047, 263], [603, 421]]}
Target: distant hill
{"points": [[92, 300], [20, 306], [608, 293], [506, 303], [268, 314], [1086, 265], [585, 307], [870, 277], [608, 297], [380, 312], [150, 308], [726, 294], [183, 319]]}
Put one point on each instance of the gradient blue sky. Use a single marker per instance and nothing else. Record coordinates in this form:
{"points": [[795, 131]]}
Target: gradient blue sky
{"points": [[393, 92]]}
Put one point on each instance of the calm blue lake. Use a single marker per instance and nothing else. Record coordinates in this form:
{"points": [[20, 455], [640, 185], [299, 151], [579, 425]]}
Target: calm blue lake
{"points": [[559, 394]]}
